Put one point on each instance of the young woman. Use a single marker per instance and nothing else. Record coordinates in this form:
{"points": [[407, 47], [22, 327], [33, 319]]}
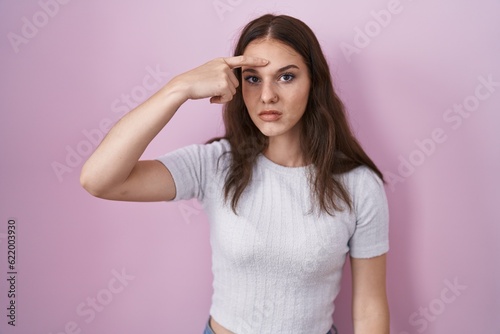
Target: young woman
{"points": [[288, 190]]}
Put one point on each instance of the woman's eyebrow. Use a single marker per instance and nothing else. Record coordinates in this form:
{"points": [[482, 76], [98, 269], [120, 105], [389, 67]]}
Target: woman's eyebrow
{"points": [[253, 70]]}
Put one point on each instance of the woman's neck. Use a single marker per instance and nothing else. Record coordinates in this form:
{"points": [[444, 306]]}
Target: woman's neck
{"points": [[285, 151]]}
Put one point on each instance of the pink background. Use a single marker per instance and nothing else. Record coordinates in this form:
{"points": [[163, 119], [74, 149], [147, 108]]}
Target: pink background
{"points": [[60, 83]]}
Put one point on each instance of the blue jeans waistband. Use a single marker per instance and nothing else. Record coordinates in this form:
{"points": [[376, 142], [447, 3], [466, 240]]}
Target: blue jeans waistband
{"points": [[209, 330]]}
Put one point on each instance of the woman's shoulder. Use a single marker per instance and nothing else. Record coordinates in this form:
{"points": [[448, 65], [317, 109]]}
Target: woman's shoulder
{"points": [[218, 144], [217, 149], [200, 154], [362, 178], [362, 171], [213, 148]]}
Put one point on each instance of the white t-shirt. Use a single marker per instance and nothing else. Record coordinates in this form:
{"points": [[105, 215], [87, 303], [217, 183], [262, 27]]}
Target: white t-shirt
{"points": [[277, 265]]}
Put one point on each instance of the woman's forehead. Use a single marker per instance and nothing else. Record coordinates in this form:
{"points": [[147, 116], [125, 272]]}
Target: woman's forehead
{"points": [[271, 46], [277, 53]]}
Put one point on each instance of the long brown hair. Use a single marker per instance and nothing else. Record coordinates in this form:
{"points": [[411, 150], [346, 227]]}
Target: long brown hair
{"points": [[327, 141]]}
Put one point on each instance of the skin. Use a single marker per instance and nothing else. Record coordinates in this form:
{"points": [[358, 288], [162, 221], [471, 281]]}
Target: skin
{"points": [[115, 172], [370, 308]]}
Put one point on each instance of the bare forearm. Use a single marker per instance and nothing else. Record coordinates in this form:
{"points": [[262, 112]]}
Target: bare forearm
{"points": [[374, 321], [114, 159]]}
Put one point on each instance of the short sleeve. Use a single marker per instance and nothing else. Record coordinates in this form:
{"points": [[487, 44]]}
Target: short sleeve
{"points": [[193, 167], [371, 234]]}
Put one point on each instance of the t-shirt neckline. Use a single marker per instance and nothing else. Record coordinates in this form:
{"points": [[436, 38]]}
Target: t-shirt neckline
{"points": [[269, 164]]}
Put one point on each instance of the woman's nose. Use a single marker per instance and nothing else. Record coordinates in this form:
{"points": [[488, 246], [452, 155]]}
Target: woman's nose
{"points": [[268, 93]]}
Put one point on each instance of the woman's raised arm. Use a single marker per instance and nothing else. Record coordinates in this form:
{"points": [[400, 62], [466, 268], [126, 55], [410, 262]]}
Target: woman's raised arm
{"points": [[114, 171]]}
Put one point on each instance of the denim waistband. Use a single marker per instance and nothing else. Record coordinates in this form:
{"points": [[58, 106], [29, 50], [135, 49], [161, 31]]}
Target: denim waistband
{"points": [[209, 330]]}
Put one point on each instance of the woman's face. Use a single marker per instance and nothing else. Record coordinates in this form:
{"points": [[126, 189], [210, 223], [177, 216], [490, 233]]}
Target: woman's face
{"points": [[276, 95]]}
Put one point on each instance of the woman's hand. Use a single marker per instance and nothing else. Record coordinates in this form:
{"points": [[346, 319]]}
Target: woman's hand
{"points": [[215, 79]]}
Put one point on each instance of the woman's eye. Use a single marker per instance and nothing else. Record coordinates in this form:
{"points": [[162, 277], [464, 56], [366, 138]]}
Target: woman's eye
{"points": [[252, 80], [287, 77]]}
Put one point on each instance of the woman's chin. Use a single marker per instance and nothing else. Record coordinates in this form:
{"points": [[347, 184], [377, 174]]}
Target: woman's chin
{"points": [[270, 134], [270, 130]]}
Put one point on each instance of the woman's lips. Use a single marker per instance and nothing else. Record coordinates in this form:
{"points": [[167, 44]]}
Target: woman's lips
{"points": [[270, 115]]}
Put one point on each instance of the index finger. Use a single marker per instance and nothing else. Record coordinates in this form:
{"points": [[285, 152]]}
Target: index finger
{"points": [[239, 61]]}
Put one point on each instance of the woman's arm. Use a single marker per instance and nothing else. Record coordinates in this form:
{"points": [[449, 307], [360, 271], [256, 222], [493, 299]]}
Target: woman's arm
{"points": [[114, 171], [370, 309]]}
